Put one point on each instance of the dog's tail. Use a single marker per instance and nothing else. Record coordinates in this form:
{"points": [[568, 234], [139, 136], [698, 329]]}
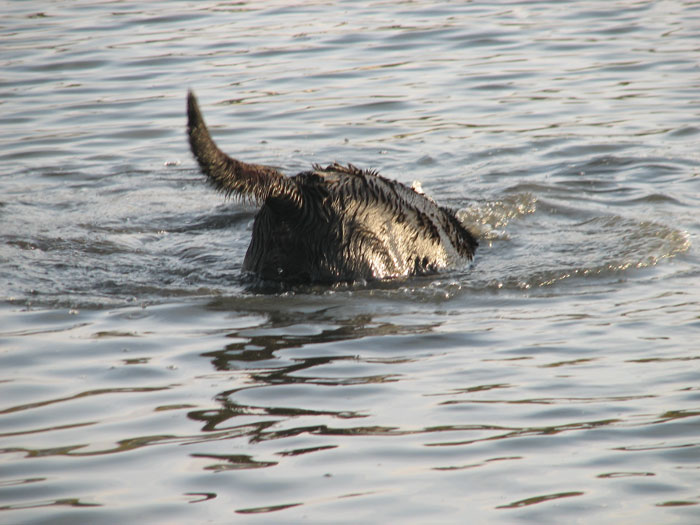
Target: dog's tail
{"points": [[230, 175]]}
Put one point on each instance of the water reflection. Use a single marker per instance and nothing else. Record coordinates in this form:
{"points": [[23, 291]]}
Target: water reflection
{"points": [[259, 354], [522, 432], [267, 357], [233, 462], [539, 499], [323, 323], [63, 502]]}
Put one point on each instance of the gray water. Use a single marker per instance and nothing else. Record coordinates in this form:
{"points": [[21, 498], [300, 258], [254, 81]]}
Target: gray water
{"points": [[142, 380]]}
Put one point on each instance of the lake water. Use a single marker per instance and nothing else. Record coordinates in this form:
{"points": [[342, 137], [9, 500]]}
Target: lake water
{"points": [[142, 380]]}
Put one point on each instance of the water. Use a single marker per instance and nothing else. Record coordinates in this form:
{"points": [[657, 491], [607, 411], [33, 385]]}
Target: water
{"points": [[555, 381]]}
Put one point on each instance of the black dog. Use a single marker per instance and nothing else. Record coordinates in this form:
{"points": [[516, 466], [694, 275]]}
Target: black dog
{"points": [[333, 224]]}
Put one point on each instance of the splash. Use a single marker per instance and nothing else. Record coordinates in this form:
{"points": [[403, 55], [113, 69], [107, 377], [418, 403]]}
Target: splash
{"points": [[490, 219], [530, 246]]}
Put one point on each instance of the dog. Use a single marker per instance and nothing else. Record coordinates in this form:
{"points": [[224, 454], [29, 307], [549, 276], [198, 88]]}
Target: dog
{"points": [[333, 224]]}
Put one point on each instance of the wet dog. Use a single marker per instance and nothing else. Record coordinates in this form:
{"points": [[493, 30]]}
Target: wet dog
{"points": [[335, 223]]}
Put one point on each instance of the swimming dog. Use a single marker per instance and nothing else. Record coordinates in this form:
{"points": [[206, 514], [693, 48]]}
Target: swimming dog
{"points": [[333, 224]]}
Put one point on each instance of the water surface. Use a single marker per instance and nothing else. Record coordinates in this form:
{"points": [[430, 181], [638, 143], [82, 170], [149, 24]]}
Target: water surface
{"points": [[142, 379]]}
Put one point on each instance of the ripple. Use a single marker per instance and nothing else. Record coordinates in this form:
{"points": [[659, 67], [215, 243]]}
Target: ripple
{"points": [[535, 500]]}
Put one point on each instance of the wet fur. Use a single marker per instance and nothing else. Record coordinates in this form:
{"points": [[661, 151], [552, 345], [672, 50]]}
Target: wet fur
{"points": [[335, 223]]}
